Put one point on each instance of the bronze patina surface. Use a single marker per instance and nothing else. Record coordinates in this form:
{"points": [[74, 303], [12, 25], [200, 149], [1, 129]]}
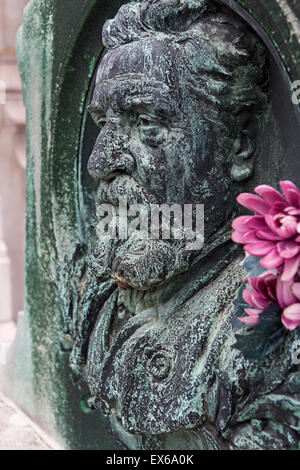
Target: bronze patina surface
{"points": [[181, 99]]}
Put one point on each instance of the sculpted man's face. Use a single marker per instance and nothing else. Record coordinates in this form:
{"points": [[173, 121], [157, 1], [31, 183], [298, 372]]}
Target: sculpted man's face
{"points": [[154, 145]]}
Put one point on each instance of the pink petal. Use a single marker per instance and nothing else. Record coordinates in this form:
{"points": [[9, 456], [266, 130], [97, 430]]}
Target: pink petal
{"points": [[253, 298], [261, 287], [237, 237], [293, 197], [288, 226], [289, 324], [239, 223], [253, 203], [249, 320], [288, 249], [246, 223], [253, 282], [267, 235], [272, 224], [269, 194], [245, 237], [292, 312], [292, 211], [272, 260], [271, 294], [261, 248], [258, 301], [296, 289], [256, 222], [284, 293], [290, 268], [286, 184], [278, 207], [247, 296], [253, 312], [291, 192]]}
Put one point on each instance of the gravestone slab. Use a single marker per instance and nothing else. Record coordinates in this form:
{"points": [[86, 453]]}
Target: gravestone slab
{"points": [[120, 356]]}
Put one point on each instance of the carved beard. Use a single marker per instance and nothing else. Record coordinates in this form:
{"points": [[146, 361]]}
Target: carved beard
{"points": [[134, 263], [139, 264]]}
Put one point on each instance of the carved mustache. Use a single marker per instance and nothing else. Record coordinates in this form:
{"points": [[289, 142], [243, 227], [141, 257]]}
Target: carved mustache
{"points": [[123, 186]]}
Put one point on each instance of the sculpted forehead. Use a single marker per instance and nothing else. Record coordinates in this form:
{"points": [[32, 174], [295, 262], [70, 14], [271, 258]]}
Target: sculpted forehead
{"points": [[147, 57]]}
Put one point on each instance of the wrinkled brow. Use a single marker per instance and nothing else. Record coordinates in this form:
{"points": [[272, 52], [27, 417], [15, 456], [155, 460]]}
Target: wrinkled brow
{"points": [[124, 92]]}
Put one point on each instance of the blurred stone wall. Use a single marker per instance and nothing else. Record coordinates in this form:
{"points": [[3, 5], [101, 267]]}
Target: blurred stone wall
{"points": [[12, 164]]}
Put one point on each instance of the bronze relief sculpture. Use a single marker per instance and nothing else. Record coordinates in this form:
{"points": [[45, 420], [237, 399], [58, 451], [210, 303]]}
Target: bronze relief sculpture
{"points": [[180, 97]]}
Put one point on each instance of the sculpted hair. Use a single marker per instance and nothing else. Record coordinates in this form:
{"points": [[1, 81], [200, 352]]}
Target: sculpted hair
{"points": [[225, 64]]}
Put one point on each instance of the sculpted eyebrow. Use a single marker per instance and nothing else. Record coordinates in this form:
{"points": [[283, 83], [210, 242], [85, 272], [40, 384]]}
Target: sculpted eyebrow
{"points": [[123, 94]]}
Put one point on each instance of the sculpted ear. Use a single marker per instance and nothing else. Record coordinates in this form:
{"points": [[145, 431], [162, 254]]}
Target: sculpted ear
{"points": [[243, 153]]}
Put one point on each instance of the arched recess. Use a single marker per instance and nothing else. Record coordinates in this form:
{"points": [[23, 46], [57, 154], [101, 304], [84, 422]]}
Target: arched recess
{"points": [[75, 133]]}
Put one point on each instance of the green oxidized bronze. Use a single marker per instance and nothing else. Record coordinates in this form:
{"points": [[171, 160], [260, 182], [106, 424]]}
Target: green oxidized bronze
{"points": [[181, 97]]}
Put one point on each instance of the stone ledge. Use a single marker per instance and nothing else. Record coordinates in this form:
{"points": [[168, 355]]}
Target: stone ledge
{"points": [[18, 432]]}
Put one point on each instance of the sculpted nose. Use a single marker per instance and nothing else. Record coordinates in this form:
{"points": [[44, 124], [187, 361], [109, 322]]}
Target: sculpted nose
{"points": [[110, 154]]}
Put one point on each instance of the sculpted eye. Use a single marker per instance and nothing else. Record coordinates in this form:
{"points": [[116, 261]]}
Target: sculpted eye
{"points": [[146, 121], [152, 132]]}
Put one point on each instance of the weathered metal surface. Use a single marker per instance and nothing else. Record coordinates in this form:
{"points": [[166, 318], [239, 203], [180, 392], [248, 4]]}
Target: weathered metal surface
{"points": [[160, 361], [181, 98]]}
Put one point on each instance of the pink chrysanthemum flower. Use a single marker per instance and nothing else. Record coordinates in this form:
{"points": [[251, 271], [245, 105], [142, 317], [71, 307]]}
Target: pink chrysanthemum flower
{"points": [[271, 289], [274, 232]]}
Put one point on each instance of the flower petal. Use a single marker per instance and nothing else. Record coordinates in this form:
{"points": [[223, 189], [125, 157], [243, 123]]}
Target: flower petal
{"points": [[272, 260], [270, 221], [254, 299], [239, 223], [285, 296], [249, 320], [291, 192], [253, 203], [269, 194], [253, 312], [238, 237], [261, 248], [290, 268], [246, 223], [247, 296], [245, 237], [256, 222], [288, 249], [289, 324], [267, 235], [258, 301], [296, 289], [292, 211], [278, 207], [292, 312], [288, 226]]}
